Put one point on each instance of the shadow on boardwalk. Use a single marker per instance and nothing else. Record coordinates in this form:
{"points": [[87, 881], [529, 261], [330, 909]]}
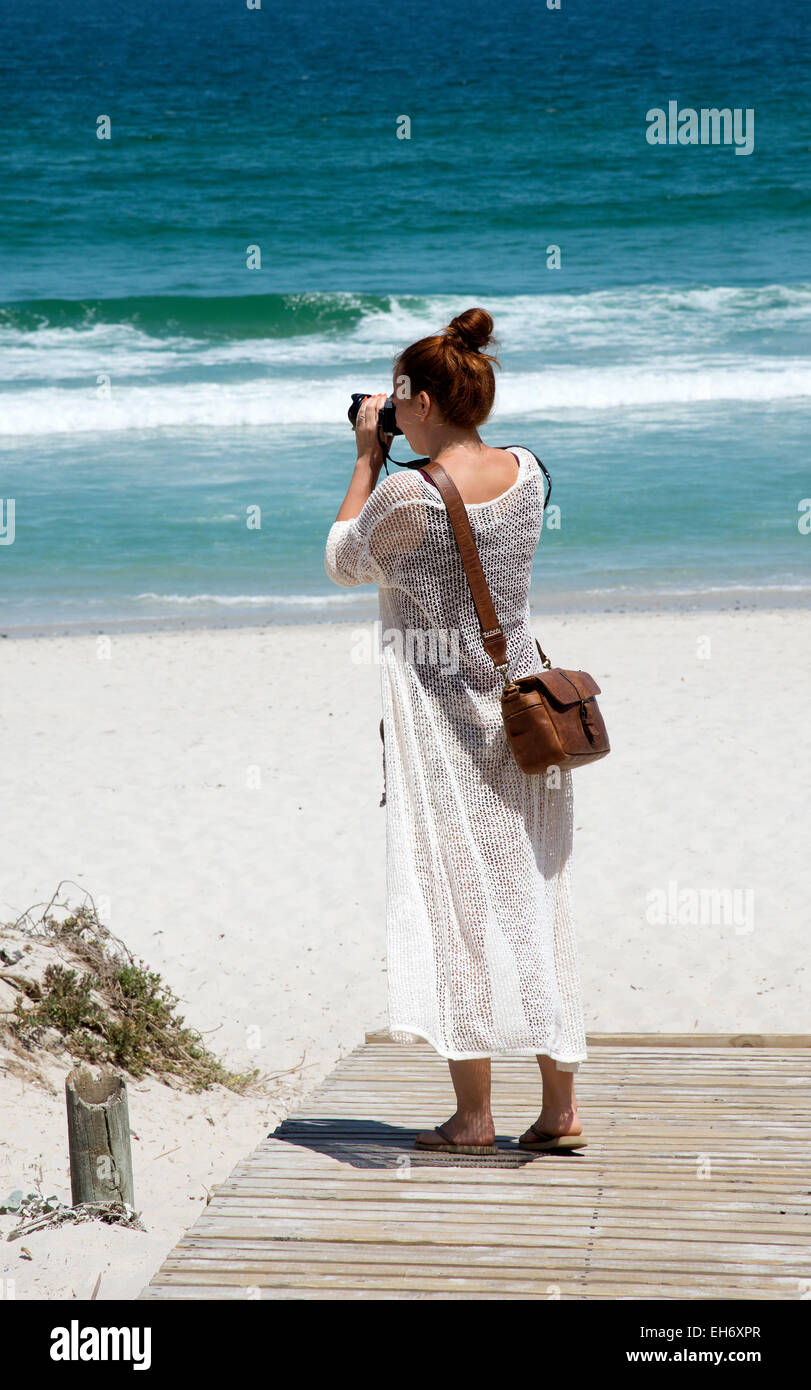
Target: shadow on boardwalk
{"points": [[373, 1144]]}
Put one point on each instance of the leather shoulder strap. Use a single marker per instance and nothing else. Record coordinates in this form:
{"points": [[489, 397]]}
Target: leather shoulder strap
{"points": [[493, 639]]}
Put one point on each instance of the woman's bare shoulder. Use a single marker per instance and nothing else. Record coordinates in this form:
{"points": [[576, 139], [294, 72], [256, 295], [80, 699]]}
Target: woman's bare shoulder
{"points": [[487, 476]]}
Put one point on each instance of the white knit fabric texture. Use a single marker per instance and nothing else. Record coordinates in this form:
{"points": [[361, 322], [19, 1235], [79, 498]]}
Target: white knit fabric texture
{"points": [[482, 956]]}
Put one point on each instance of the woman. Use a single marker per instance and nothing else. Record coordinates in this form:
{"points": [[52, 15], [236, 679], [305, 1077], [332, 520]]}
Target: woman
{"points": [[482, 956]]}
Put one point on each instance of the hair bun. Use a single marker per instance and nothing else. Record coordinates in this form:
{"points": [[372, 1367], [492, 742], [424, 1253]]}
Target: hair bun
{"points": [[473, 329]]}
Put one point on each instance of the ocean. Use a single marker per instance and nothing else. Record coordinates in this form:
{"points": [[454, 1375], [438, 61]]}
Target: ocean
{"points": [[163, 381]]}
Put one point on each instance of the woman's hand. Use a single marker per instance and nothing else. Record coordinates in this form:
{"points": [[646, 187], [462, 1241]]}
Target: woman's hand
{"points": [[366, 440], [369, 461]]}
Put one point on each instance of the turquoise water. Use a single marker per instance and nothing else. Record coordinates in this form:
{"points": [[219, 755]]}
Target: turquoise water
{"points": [[154, 388]]}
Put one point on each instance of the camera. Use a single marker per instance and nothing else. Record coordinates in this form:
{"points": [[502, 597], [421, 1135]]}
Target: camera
{"points": [[387, 418]]}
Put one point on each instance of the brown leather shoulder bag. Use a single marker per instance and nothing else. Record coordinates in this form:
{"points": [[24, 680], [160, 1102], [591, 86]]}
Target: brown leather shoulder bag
{"points": [[551, 718]]}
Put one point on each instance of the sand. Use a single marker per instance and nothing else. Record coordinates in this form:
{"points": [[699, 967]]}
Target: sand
{"points": [[227, 819]]}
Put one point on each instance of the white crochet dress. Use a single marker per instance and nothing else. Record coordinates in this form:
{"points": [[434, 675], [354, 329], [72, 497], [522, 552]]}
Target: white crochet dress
{"points": [[482, 957]]}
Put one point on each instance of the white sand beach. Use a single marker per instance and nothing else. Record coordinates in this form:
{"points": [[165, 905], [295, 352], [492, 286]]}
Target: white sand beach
{"points": [[218, 791]]}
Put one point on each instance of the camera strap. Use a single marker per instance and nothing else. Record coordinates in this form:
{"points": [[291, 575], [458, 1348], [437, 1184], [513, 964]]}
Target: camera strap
{"points": [[401, 463]]}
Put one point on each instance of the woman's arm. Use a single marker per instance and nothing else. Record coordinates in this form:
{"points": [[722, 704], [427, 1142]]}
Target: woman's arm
{"points": [[375, 526], [364, 480], [369, 461]]}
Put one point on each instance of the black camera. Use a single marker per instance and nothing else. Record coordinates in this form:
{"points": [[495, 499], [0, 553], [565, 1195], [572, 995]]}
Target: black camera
{"points": [[387, 419]]}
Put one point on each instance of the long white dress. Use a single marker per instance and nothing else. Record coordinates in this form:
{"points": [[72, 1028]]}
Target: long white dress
{"points": [[481, 950]]}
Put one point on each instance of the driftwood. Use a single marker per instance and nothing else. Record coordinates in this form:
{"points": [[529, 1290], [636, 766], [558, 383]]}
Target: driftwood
{"points": [[49, 1212], [99, 1137]]}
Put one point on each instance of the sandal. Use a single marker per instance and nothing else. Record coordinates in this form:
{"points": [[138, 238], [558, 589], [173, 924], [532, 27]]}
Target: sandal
{"points": [[448, 1146], [553, 1141]]}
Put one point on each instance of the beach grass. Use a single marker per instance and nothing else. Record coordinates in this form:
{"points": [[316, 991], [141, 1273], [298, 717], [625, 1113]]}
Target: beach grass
{"points": [[104, 1005]]}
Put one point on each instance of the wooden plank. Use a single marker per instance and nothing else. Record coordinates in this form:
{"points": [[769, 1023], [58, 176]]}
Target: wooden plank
{"points": [[195, 1293], [346, 1256], [779, 1040], [535, 1284], [678, 1194]]}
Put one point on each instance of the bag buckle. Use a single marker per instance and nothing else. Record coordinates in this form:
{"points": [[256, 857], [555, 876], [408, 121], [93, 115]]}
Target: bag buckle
{"points": [[503, 672]]}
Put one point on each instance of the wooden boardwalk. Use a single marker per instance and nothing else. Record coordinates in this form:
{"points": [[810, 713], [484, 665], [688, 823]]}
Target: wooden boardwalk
{"points": [[696, 1184]]}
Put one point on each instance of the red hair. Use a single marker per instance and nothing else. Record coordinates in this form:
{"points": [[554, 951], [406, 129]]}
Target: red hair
{"points": [[453, 370]]}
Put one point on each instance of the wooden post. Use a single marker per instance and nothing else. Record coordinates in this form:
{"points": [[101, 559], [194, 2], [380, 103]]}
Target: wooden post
{"points": [[99, 1137]]}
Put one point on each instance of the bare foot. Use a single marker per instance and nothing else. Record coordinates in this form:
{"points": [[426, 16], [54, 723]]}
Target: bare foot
{"points": [[462, 1129], [553, 1121]]}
